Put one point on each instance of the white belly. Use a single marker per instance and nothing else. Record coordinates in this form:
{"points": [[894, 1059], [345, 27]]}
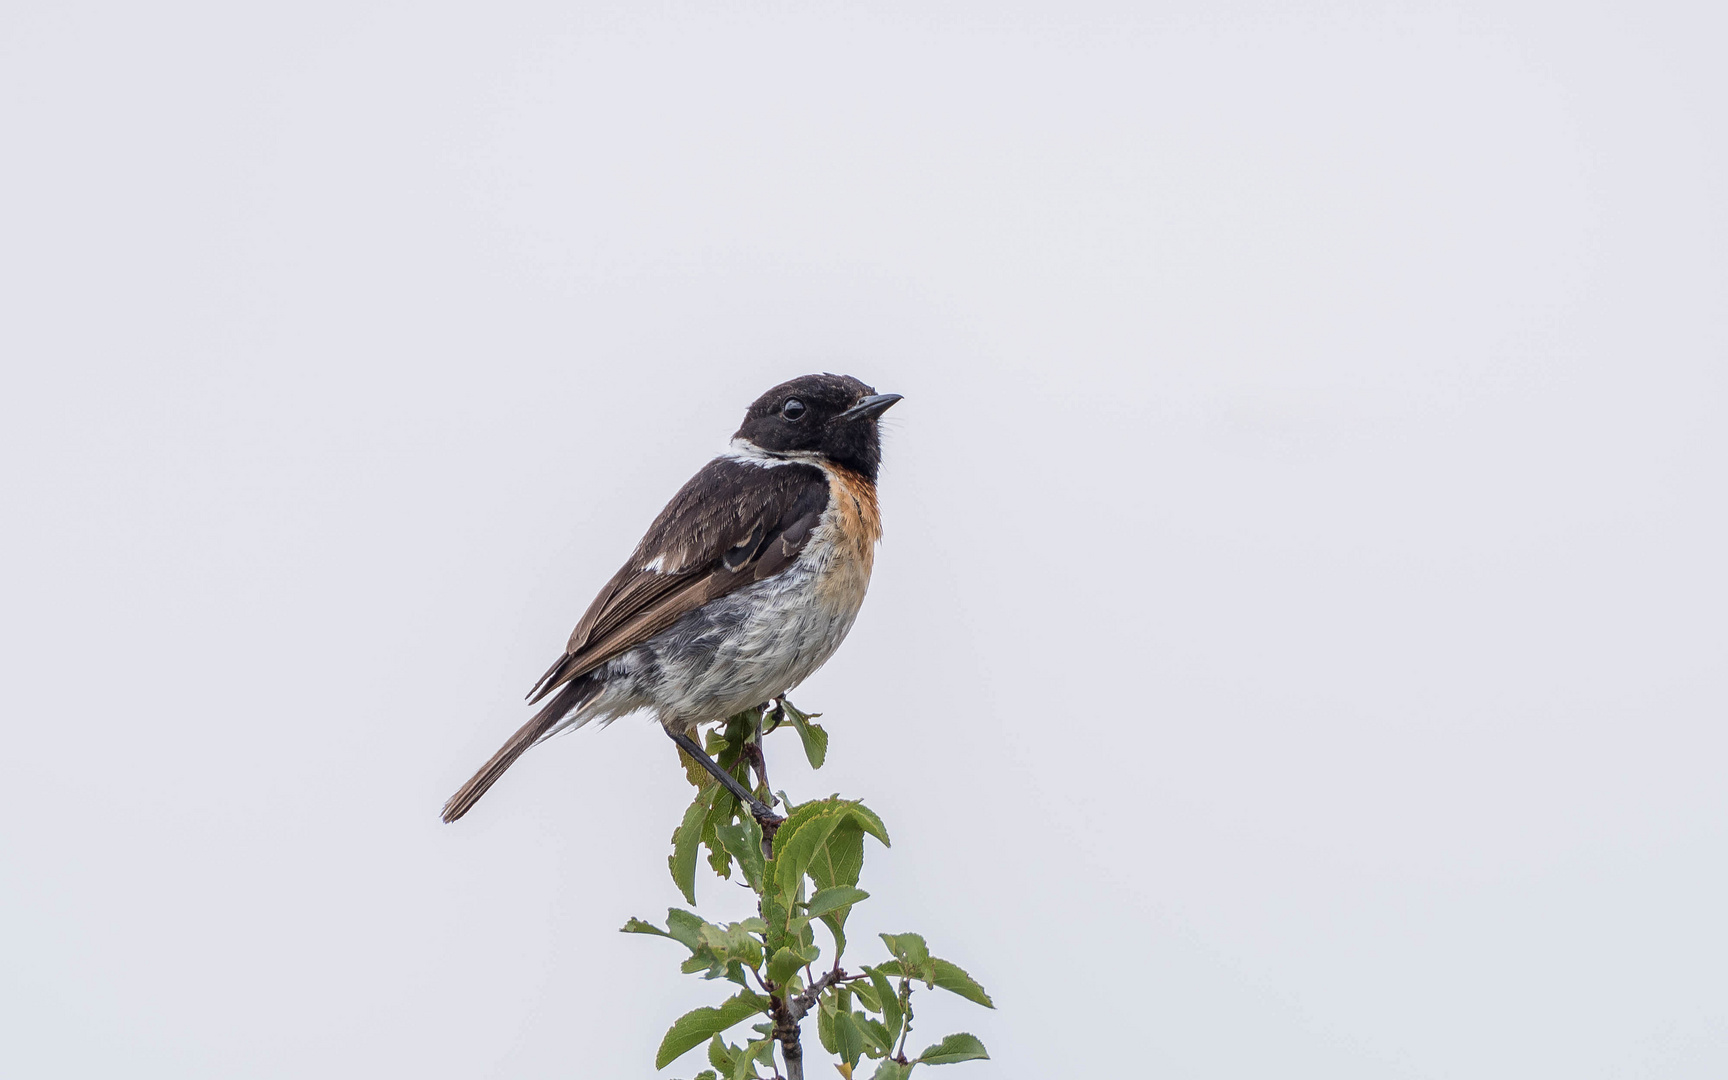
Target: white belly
{"points": [[742, 649], [754, 644]]}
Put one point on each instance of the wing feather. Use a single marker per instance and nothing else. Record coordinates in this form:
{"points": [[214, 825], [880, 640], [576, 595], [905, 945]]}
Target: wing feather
{"points": [[734, 523]]}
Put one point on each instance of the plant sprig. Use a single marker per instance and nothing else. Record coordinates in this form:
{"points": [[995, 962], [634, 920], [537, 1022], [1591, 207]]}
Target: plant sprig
{"points": [[808, 873]]}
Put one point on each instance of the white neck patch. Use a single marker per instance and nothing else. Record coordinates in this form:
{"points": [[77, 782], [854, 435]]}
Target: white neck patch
{"points": [[743, 450]]}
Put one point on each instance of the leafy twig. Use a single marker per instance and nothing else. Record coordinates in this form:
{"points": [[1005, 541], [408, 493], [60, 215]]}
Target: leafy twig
{"points": [[808, 873]]}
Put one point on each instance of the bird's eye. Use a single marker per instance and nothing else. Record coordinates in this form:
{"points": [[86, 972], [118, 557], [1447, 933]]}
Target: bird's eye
{"points": [[792, 409]]}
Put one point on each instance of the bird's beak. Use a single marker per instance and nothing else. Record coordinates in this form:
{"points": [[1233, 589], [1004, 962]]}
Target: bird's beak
{"points": [[869, 408]]}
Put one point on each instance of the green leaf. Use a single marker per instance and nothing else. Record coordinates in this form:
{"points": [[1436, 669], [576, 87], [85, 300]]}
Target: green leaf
{"points": [[685, 840], [837, 865], [958, 1047], [841, 859], [775, 915], [723, 809], [694, 772], [797, 817], [707, 1074], [722, 1054], [796, 844], [743, 842], [783, 966], [886, 998], [871, 823], [866, 995], [686, 927], [878, 1035], [815, 739], [740, 730], [732, 942], [699, 1025], [848, 1040], [761, 1050], [825, 1022], [890, 1070], [839, 896], [913, 954], [951, 978], [637, 926], [945, 976]]}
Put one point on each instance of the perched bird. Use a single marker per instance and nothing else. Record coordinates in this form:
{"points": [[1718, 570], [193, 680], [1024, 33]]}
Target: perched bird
{"points": [[744, 585]]}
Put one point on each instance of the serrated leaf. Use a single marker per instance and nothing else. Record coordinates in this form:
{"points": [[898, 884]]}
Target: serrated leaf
{"points": [[848, 1040], [719, 859], [761, 1050], [886, 998], [686, 927], [732, 942], [783, 966], [876, 1033], [774, 914], [912, 953], [871, 823], [839, 896], [836, 924], [722, 809], [890, 1070], [792, 853], [740, 729], [841, 859], [956, 1047], [825, 1023], [951, 978], [693, 771], [814, 738], [722, 1054], [685, 840], [839, 863], [944, 976], [637, 926], [866, 994], [707, 1074], [743, 842], [797, 818], [699, 1025]]}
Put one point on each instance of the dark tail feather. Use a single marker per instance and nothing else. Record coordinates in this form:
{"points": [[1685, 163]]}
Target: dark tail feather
{"points": [[572, 697]]}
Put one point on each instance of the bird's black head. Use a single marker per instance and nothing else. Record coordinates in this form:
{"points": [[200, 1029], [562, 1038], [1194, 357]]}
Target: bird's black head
{"points": [[833, 416]]}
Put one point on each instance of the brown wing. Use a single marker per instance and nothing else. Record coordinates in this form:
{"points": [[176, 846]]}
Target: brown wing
{"points": [[732, 524]]}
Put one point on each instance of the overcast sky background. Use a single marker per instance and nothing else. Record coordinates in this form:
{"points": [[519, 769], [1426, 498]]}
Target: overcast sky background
{"points": [[1298, 648]]}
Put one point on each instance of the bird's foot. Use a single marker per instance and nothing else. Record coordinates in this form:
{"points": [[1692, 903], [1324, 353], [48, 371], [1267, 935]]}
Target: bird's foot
{"points": [[770, 823]]}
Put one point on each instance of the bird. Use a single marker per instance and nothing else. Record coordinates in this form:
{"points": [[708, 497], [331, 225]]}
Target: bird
{"points": [[744, 585]]}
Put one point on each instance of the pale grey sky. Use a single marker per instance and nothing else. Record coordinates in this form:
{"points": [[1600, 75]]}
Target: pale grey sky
{"points": [[1343, 698]]}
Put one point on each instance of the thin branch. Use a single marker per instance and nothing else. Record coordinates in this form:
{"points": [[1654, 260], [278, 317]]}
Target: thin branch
{"points": [[800, 1006], [767, 990], [906, 1007]]}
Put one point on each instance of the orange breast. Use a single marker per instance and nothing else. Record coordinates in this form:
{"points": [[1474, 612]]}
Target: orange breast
{"points": [[852, 525]]}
